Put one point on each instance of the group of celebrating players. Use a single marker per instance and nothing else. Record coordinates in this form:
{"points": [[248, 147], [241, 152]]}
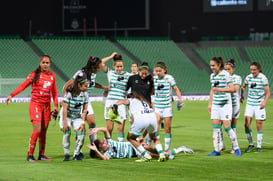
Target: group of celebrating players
{"points": [[148, 99]]}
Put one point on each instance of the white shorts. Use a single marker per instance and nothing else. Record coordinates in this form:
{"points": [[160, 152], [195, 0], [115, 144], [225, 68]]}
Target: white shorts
{"points": [[89, 107], [164, 113], [223, 113], [75, 123], [236, 111], [142, 122], [255, 111], [121, 109]]}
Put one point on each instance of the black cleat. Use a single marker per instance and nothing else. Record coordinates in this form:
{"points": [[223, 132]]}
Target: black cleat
{"points": [[30, 158], [77, 157], [66, 157], [258, 150], [250, 148], [44, 158]]}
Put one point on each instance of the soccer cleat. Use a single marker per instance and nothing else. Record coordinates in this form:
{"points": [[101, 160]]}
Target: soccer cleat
{"points": [[258, 150], [250, 148], [66, 157], [30, 158], [185, 149], [237, 152], [169, 156], [162, 158], [81, 155], [214, 153], [44, 158], [145, 159], [231, 151], [77, 157]]}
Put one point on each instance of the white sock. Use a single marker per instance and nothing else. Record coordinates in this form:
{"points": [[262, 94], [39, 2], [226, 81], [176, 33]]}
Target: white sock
{"points": [[259, 139], [216, 139], [221, 141], [66, 144], [159, 148], [232, 137], [148, 139], [78, 144], [93, 137], [142, 150], [249, 137], [168, 139]]}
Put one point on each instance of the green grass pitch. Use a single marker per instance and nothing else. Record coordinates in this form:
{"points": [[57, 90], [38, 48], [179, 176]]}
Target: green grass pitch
{"points": [[191, 126]]}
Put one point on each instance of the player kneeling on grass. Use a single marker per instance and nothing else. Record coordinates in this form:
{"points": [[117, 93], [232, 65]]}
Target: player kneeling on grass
{"points": [[108, 148], [73, 115]]}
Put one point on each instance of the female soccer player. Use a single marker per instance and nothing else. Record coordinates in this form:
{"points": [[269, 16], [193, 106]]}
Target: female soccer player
{"points": [[235, 97], [117, 79], [134, 69], [144, 119], [163, 85], [75, 104], [142, 83], [107, 148], [43, 84], [91, 69], [220, 105], [258, 94]]}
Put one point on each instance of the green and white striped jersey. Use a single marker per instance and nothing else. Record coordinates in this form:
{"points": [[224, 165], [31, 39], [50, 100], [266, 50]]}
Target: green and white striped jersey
{"points": [[163, 91], [75, 104], [221, 80], [235, 97], [91, 83], [119, 149], [256, 92], [117, 84]]}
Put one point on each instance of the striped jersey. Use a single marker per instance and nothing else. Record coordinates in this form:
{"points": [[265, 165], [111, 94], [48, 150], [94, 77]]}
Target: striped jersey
{"points": [[235, 97], [75, 104], [91, 82], [119, 149], [117, 84], [163, 91], [221, 80], [256, 92]]}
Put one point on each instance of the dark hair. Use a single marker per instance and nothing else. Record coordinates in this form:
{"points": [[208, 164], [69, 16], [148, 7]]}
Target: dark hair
{"points": [[231, 62], [92, 153], [144, 65], [162, 65], [93, 62], [219, 60], [137, 96], [38, 70], [117, 58], [80, 79], [258, 65]]}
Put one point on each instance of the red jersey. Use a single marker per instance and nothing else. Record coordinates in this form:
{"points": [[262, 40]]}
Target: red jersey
{"points": [[42, 90]]}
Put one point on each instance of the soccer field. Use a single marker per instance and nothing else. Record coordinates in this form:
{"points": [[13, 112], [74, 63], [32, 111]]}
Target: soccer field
{"points": [[191, 126]]}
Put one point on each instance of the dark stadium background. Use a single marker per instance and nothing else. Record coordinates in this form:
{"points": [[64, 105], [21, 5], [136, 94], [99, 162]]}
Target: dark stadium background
{"points": [[178, 19]]}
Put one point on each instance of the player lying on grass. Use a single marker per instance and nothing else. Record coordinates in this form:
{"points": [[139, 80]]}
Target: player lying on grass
{"points": [[107, 148]]}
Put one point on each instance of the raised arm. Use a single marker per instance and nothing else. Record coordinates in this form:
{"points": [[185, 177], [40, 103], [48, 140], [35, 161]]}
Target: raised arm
{"points": [[104, 60]]}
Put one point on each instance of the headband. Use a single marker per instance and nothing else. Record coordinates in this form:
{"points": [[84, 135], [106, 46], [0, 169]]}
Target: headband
{"points": [[84, 80], [231, 64], [144, 67], [159, 65]]}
